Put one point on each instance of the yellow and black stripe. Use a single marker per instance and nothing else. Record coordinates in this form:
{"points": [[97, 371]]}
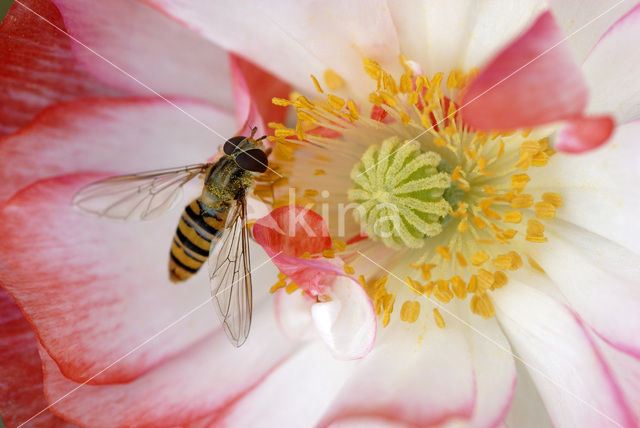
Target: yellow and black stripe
{"points": [[192, 241]]}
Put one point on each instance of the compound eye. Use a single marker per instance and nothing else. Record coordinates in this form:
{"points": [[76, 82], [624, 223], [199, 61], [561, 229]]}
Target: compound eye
{"points": [[231, 144], [254, 160]]}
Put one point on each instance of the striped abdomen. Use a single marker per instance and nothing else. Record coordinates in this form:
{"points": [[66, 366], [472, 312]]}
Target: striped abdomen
{"points": [[192, 241]]}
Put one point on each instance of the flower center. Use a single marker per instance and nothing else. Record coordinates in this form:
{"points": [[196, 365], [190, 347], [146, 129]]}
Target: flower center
{"points": [[451, 202], [400, 193]]}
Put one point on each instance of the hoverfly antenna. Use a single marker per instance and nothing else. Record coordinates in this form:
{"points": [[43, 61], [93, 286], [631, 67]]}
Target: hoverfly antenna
{"points": [[261, 138], [253, 131]]}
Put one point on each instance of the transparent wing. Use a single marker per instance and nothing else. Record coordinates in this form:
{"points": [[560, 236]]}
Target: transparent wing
{"points": [[136, 196], [230, 275]]}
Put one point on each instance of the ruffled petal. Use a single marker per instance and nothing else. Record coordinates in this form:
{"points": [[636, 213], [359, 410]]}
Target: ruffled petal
{"points": [[340, 34], [597, 188], [347, 322], [114, 135], [202, 382], [443, 36], [531, 82], [601, 281], [21, 395], [94, 289], [292, 231], [37, 66], [575, 382], [584, 134], [584, 22], [293, 314], [406, 381], [138, 50], [611, 70]]}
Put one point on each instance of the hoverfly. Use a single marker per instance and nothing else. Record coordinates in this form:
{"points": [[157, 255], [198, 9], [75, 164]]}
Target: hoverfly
{"points": [[212, 227]]}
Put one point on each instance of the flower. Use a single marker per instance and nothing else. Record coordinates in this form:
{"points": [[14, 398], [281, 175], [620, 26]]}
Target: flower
{"points": [[86, 287]]}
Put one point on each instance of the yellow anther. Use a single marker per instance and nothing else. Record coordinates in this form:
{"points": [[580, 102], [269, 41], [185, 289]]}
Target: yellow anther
{"points": [[444, 252], [438, 318], [304, 116], [299, 131], [406, 85], [442, 291], [463, 226], [426, 270], [348, 269], [503, 261], [523, 200], [553, 198], [328, 253], [339, 245], [459, 287], [388, 302], [291, 287], [488, 190], [500, 280], [404, 117], [472, 286], [481, 224], [353, 109], [319, 172], [481, 304], [410, 311], [284, 132], [335, 102], [415, 286], [281, 102], [518, 182], [278, 285], [461, 260], [512, 217], [317, 84], [535, 231], [457, 173], [440, 142], [545, 210], [310, 193], [479, 258], [332, 79], [535, 265], [485, 279], [372, 68]]}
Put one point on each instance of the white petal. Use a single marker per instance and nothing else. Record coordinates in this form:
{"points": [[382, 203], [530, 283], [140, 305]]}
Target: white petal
{"points": [[611, 70], [527, 409], [574, 381], [409, 378], [296, 39], [600, 280], [584, 21], [444, 35], [293, 314], [599, 189], [347, 323]]}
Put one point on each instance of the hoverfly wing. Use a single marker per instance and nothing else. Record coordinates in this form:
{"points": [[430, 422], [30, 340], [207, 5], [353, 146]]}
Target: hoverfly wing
{"points": [[136, 196], [230, 275]]}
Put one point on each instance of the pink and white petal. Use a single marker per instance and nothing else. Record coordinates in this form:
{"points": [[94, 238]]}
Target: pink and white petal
{"points": [[94, 289], [531, 82], [626, 369], [600, 280], [602, 179], [585, 21], [21, 394], [584, 134], [144, 51], [114, 135], [405, 381], [204, 380], [573, 379], [527, 409], [426, 35], [495, 374], [304, 386], [37, 65], [346, 323], [611, 70], [254, 90], [297, 39]]}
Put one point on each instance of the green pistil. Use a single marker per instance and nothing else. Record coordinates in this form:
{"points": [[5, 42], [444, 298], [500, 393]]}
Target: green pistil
{"points": [[400, 193]]}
